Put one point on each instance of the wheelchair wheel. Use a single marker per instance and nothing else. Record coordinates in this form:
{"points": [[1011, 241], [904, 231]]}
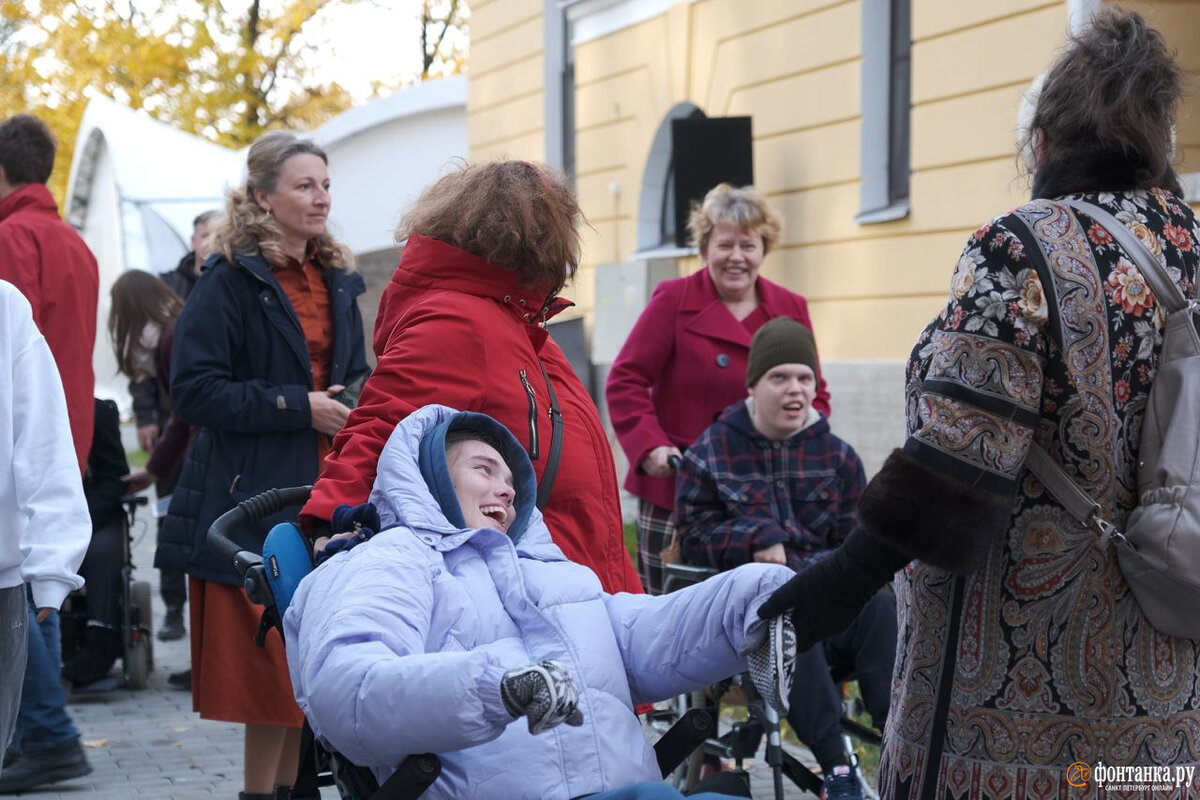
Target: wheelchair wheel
{"points": [[139, 647], [137, 665]]}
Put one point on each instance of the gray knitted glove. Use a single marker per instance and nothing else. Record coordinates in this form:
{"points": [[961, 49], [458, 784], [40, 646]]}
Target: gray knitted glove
{"points": [[543, 693], [773, 661]]}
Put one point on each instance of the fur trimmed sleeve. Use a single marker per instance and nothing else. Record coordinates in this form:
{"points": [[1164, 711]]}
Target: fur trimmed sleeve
{"points": [[931, 516]]}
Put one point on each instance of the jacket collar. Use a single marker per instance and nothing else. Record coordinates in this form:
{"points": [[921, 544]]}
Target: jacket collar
{"points": [[33, 196], [737, 416], [432, 264], [711, 318]]}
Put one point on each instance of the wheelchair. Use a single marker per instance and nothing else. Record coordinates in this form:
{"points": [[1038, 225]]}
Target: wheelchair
{"points": [[133, 600], [744, 738], [270, 579]]}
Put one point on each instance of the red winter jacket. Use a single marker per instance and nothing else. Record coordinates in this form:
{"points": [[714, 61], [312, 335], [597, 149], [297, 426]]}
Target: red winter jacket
{"points": [[457, 330], [683, 363], [47, 261]]}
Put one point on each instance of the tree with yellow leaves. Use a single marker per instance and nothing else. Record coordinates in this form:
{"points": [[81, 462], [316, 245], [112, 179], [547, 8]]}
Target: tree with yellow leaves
{"points": [[223, 69]]}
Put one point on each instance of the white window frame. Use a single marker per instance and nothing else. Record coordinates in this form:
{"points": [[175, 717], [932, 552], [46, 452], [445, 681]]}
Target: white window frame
{"points": [[875, 203]]}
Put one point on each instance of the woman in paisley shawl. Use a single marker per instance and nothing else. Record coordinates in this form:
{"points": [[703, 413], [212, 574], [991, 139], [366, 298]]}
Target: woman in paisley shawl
{"points": [[1024, 660]]}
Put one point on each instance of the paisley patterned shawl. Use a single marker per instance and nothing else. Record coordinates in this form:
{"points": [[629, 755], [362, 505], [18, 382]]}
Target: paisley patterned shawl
{"points": [[1041, 658]]}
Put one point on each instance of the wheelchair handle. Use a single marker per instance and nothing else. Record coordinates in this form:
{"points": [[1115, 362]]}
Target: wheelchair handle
{"points": [[250, 510]]}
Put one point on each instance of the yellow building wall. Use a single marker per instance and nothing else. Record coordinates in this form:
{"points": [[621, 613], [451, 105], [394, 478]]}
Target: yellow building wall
{"points": [[505, 101], [1180, 21], [794, 66]]}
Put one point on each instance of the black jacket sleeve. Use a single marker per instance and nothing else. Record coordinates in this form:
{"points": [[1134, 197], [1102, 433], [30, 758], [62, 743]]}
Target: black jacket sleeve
{"points": [[102, 484]]}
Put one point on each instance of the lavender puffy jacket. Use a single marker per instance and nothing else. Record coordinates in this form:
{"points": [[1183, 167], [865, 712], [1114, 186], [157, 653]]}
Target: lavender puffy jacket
{"points": [[398, 646]]}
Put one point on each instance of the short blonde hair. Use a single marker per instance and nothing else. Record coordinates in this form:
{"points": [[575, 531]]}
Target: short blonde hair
{"points": [[742, 207]]}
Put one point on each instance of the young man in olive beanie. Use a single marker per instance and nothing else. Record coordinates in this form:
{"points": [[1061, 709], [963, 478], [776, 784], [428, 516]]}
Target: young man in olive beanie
{"points": [[769, 482]]}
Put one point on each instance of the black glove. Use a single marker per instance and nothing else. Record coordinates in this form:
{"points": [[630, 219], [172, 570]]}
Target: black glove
{"points": [[825, 598], [363, 519], [543, 693]]}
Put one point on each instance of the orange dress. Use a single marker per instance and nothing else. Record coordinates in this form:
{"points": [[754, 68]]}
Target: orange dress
{"points": [[233, 680]]}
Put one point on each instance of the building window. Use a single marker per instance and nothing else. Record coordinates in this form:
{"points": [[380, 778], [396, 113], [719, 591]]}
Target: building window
{"points": [[656, 198], [568, 108], [886, 109], [560, 89]]}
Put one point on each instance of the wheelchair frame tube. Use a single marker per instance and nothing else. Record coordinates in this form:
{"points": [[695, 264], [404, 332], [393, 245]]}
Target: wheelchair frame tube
{"points": [[248, 511]]}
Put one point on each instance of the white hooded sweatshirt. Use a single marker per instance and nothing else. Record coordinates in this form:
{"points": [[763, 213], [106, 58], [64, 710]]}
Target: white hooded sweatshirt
{"points": [[44, 522]]}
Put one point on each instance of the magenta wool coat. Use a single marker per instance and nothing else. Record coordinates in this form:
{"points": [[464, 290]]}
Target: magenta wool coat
{"points": [[683, 363]]}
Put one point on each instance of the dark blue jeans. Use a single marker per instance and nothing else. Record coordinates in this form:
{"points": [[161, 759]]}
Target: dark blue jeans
{"points": [[866, 651], [42, 722], [13, 643]]}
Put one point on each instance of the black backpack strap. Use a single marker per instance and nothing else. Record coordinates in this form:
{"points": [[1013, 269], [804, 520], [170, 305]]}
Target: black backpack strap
{"points": [[556, 437]]}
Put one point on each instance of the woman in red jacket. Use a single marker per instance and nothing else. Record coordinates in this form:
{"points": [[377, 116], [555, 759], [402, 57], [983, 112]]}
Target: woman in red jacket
{"points": [[685, 359], [462, 323]]}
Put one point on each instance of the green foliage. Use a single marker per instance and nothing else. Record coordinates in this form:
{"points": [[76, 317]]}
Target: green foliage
{"points": [[137, 458], [631, 540]]}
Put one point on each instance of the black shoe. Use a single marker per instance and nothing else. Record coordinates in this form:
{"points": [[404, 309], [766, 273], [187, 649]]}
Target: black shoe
{"points": [[180, 680], [42, 768], [172, 627], [95, 657], [842, 784]]}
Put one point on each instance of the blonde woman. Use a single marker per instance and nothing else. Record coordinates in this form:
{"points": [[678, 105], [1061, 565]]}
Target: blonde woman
{"points": [[270, 333], [685, 359]]}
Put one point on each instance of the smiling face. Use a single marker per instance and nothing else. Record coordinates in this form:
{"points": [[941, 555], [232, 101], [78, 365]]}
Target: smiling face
{"points": [[483, 484], [300, 201], [733, 257], [781, 400]]}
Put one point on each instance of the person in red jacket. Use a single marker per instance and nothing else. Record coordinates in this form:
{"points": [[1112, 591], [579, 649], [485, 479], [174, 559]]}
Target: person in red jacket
{"points": [[47, 261], [685, 359], [52, 267], [462, 323]]}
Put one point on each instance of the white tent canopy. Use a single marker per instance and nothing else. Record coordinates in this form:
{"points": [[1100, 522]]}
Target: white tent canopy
{"points": [[136, 183]]}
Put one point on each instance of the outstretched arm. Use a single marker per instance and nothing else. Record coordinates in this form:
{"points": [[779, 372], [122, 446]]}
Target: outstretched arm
{"points": [[694, 637], [947, 496]]}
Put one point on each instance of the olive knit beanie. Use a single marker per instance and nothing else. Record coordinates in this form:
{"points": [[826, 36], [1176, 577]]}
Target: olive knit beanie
{"points": [[780, 341]]}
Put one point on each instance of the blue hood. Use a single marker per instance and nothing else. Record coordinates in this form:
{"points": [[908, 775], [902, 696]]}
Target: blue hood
{"points": [[413, 486]]}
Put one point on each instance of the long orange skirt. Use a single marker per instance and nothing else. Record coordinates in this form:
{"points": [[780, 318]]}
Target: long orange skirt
{"points": [[233, 679]]}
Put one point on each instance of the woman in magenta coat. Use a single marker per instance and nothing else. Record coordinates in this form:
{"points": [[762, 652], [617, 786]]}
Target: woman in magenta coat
{"points": [[685, 359]]}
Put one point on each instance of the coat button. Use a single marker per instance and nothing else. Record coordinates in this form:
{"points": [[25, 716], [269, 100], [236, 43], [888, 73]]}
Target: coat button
{"points": [[722, 360]]}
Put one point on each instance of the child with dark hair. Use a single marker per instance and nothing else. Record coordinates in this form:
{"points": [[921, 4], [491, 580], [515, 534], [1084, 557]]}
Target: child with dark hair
{"points": [[463, 613]]}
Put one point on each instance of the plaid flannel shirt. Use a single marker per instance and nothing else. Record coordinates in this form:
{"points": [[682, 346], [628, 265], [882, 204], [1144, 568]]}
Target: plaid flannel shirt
{"points": [[738, 492]]}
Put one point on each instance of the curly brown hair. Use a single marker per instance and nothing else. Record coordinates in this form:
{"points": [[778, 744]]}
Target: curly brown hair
{"points": [[744, 208], [516, 214], [247, 228], [139, 299], [1106, 111]]}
